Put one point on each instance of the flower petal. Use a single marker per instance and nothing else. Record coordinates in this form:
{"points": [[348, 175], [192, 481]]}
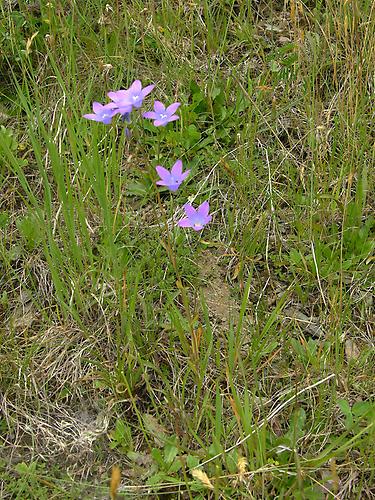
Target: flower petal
{"points": [[177, 168], [97, 107], [111, 105], [119, 95], [184, 175], [159, 123], [150, 114], [107, 120], [184, 223], [173, 118], [172, 108], [162, 172], [147, 90], [159, 107], [203, 209], [190, 210], [92, 116], [135, 87], [124, 109]]}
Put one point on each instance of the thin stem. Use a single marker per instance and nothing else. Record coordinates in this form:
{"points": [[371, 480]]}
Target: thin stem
{"points": [[170, 247]]}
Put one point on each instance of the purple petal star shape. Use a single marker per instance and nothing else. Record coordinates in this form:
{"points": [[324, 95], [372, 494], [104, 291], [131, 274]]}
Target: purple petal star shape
{"points": [[173, 179], [102, 113], [162, 115], [196, 218], [131, 97]]}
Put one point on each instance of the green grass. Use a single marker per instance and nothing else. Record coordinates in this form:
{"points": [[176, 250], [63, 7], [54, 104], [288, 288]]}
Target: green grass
{"points": [[245, 351]]}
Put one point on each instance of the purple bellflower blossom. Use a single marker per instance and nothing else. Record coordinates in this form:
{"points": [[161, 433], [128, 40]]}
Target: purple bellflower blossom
{"points": [[126, 117], [102, 113], [173, 179], [132, 97], [196, 218], [162, 115]]}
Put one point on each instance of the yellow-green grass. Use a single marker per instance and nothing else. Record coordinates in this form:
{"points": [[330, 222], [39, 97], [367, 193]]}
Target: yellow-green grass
{"points": [[245, 351]]}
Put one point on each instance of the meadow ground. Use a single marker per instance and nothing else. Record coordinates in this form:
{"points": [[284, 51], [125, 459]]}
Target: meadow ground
{"points": [[232, 362]]}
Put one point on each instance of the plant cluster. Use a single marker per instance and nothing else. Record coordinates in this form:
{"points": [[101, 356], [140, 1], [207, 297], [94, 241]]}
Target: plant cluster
{"points": [[122, 103]]}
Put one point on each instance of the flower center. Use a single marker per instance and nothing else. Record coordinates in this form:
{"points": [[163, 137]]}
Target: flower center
{"points": [[163, 116], [197, 225]]}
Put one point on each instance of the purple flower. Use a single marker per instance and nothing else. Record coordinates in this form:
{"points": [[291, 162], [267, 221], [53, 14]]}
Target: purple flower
{"points": [[196, 218], [102, 113], [132, 97], [125, 117], [162, 115], [172, 179]]}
